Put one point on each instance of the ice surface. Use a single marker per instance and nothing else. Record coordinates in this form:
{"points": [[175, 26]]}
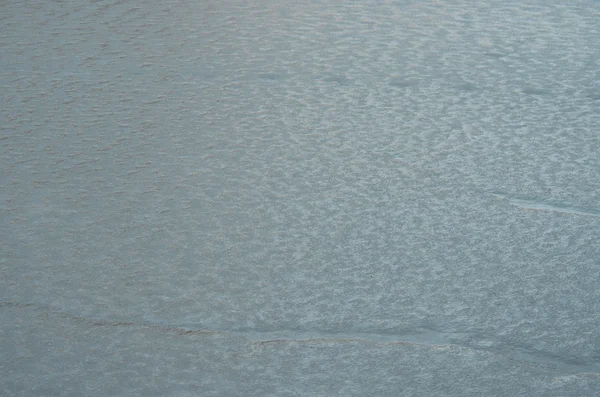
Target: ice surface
{"points": [[300, 199]]}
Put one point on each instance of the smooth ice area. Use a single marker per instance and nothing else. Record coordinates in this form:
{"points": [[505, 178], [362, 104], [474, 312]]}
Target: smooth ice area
{"points": [[300, 198]]}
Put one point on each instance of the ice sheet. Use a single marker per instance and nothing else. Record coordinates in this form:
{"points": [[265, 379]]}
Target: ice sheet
{"points": [[302, 198]]}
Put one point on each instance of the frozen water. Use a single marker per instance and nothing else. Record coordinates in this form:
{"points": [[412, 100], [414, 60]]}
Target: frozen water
{"points": [[304, 198]]}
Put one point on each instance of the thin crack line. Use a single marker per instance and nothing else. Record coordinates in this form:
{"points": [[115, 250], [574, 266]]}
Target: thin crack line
{"points": [[543, 205], [111, 323], [422, 339]]}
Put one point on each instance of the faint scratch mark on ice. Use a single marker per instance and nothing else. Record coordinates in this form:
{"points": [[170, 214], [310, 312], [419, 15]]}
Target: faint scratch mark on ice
{"points": [[418, 337], [541, 205], [110, 323], [575, 377]]}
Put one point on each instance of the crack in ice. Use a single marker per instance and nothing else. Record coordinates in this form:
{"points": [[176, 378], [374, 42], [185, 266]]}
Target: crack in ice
{"points": [[542, 205], [422, 336]]}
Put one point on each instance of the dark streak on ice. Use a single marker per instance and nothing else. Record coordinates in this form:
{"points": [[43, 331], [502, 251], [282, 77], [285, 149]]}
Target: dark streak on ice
{"points": [[422, 336]]}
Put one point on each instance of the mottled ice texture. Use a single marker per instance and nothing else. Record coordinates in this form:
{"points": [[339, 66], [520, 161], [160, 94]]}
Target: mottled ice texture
{"points": [[300, 198]]}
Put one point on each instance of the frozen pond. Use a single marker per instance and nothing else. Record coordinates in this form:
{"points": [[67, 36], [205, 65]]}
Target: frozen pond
{"points": [[300, 198]]}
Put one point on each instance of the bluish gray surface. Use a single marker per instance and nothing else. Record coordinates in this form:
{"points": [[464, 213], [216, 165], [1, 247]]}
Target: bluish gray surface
{"points": [[359, 198]]}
